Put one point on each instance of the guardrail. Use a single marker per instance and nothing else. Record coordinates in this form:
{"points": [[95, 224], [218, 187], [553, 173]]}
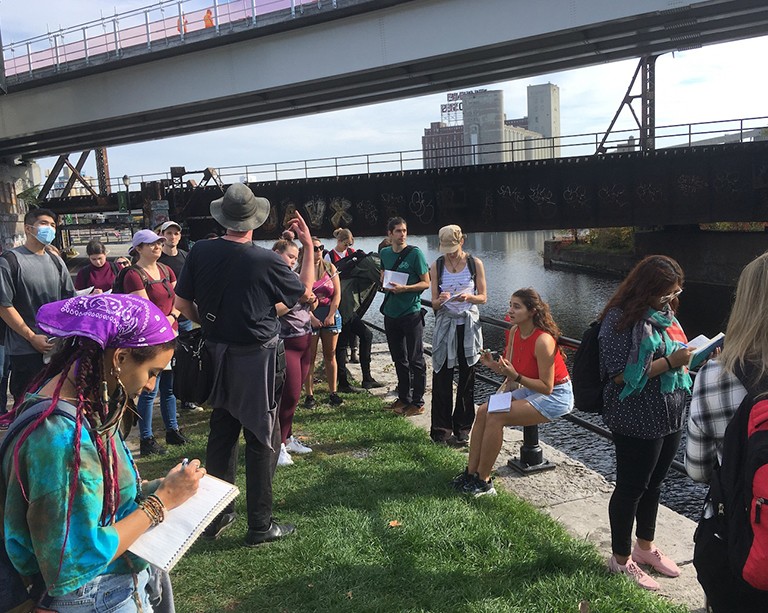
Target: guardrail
{"points": [[737, 130], [531, 456], [144, 28]]}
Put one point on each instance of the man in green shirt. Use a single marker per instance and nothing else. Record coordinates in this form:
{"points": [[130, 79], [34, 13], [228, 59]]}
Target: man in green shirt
{"points": [[402, 317]]}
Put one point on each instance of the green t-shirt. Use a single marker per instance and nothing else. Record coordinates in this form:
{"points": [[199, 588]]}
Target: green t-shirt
{"points": [[415, 264]]}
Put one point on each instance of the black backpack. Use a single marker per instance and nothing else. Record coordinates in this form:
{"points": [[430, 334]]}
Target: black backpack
{"points": [[588, 383], [738, 490], [15, 589], [118, 287]]}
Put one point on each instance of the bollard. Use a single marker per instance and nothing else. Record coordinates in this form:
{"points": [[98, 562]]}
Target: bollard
{"points": [[531, 455]]}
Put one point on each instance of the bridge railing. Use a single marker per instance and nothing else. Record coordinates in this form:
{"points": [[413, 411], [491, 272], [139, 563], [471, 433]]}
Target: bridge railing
{"points": [[531, 150], [140, 29]]}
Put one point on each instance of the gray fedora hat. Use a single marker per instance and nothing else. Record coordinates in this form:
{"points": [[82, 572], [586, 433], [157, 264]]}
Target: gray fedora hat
{"points": [[239, 209]]}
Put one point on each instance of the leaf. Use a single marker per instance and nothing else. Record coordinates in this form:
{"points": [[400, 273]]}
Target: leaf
{"points": [[395, 524]]}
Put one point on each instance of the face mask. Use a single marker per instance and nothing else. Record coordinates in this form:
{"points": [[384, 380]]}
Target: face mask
{"points": [[46, 234]]}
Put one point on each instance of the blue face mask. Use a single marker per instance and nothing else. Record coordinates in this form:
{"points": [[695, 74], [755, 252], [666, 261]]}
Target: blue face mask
{"points": [[46, 234]]}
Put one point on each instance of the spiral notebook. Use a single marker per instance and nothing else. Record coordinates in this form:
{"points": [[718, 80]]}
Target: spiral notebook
{"points": [[164, 544]]}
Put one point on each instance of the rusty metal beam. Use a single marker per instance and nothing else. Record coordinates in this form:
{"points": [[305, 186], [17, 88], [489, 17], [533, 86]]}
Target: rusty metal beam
{"points": [[73, 177], [76, 173], [52, 176]]}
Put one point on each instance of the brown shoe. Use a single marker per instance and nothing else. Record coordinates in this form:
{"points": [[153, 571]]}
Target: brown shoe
{"points": [[412, 410], [398, 406]]}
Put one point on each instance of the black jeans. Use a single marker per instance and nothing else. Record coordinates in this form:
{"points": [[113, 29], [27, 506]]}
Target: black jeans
{"points": [[24, 368], [355, 327], [448, 419], [641, 465], [260, 464], [405, 337]]}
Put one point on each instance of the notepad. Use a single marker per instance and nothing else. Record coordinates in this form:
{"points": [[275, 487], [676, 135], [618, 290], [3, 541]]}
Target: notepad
{"points": [[84, 292], [391, 276], [500, 403], [164, 544]]}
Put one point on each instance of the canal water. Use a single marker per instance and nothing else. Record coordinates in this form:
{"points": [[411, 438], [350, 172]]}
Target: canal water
{"points": [[513, 260]]}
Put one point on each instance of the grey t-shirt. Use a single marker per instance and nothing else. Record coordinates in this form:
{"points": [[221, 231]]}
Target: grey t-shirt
{"points": [[39, 282]]}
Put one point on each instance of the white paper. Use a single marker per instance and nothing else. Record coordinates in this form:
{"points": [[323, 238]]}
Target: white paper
{"points": [[391, 276], [500, 403], [164, 544], [84, 292]]}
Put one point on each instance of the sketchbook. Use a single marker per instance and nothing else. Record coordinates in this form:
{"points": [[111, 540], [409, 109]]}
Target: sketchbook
{"points": [[164, 544], [704, 347], [391, 276]]}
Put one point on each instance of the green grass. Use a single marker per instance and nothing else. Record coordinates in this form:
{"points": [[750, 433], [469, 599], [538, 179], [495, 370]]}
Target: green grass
{"points": [[449, 553]]}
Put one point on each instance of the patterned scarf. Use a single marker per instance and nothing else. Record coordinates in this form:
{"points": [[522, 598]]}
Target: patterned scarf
{"points": [[654, 330]]}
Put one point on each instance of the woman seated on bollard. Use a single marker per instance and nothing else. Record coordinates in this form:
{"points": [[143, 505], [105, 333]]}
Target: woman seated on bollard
{"points": [[72, 500], [717, 393], [534, 365], [647, 390]]}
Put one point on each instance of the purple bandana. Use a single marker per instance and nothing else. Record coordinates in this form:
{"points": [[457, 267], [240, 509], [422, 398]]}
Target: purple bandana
{"points": [[112, 320]]}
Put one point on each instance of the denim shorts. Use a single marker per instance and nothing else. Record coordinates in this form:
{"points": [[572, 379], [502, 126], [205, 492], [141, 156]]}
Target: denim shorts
{"points": [[104, 594], [321, 313], [552, 406]]}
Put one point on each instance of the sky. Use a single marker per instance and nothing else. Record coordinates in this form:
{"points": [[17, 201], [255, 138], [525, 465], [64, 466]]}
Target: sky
{"points": [[713, 83]]}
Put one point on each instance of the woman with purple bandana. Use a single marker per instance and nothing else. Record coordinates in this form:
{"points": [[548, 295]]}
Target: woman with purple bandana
{"points": [[72, 498]]}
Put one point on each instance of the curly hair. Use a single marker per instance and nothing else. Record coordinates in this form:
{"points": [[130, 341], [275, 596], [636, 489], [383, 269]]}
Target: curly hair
{"points": [[542, 316], [649, 279]]}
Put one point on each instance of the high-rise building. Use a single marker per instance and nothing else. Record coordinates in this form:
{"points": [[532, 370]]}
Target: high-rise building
{"points": [[475, 130]]}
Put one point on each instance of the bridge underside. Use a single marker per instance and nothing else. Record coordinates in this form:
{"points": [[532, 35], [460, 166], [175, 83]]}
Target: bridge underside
{"points": [[664, 187], [356, 56]]}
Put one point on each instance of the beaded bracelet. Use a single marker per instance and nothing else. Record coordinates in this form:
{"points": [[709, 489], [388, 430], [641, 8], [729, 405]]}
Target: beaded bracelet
{"points": [[154, 509]]}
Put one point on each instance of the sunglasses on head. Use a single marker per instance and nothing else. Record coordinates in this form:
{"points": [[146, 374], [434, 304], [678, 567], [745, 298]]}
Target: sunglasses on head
{"points": [[319, 247], [670, 297]]}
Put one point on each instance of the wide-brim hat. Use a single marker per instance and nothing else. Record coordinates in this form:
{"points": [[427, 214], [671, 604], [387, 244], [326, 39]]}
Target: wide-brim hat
{"points": [[239, 209], [450, 238]]}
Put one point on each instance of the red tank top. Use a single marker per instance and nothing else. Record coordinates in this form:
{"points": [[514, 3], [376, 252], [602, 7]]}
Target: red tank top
{"points": [[524, 356]]}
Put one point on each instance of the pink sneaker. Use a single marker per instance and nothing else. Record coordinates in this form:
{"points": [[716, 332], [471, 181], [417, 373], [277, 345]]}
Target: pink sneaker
{"points": [[655, 559], [634, 572]]}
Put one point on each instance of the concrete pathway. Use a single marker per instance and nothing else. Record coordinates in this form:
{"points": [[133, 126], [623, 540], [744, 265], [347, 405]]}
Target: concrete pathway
{"points": [[573, 494]]}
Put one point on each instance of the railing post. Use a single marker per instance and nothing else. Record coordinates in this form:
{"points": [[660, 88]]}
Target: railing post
{"points": [[368, 163], [276, 179], [116, 30], [148, 29], [293, 8], [56, 53], [216, 15], [29, 58], [253, 12], [531, 455], [180, 23], [85, 46]]}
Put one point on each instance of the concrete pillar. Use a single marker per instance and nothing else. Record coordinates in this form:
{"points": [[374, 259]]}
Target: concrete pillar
{"points": [[15, 177]]}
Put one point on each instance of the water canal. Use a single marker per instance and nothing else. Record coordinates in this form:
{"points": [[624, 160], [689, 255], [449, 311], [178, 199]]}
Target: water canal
{"points": [[513, 260]]}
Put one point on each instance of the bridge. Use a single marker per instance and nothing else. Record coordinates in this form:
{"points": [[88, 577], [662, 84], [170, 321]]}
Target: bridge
{"points": [[251, 66], [673, 186]]}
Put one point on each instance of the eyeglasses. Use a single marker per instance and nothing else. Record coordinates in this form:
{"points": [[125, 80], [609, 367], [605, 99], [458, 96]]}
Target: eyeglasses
{"points": [[319, 247], [670, 297]]}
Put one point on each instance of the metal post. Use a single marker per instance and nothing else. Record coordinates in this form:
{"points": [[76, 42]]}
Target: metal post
{"points": [[148, 29], [56, 52], [531, 455], [216, 15], [85, 46], [293, 8], [180, 26], [116, 30], [29, 58], [253, 12], [368, 164]]}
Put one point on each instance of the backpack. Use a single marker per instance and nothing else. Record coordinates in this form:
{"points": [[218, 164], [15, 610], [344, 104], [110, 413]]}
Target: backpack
{"points": [[17, 592], [13, 263], [739, 489], [118, 287], [440, 266], [588, 382]]}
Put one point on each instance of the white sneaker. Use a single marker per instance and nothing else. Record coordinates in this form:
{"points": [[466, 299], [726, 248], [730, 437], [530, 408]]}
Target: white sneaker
{"points": [[284, 459], [294, 446]]}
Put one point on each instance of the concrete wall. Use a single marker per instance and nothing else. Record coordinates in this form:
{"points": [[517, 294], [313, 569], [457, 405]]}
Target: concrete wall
{"points": [[706, 257]]}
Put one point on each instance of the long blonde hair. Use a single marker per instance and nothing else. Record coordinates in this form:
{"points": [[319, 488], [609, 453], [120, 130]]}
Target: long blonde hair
{"points": [[746, 336]]}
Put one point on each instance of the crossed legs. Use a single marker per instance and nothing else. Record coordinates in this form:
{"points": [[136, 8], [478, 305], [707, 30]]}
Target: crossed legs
{"points": [[488, 434]]}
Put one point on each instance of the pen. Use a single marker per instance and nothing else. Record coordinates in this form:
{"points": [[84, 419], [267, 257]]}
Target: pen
{"points": [[184, 463]]}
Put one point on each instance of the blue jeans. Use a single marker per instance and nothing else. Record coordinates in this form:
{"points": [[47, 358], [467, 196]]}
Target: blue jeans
{"points": [[105, 594], [164, 383]]}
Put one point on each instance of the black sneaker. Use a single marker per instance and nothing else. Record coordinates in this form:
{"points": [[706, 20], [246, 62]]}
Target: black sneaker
{"points": [[460, 480], [346, 388], [309, 402], [335, 399], [476, 487], [175, 437], [218, 525], [460, 440], [275, 531], [371, 383], [149, 446]]}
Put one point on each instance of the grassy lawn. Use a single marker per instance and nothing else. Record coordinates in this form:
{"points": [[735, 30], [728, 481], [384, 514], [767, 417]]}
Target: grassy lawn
{"points": [[445, 552]]}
